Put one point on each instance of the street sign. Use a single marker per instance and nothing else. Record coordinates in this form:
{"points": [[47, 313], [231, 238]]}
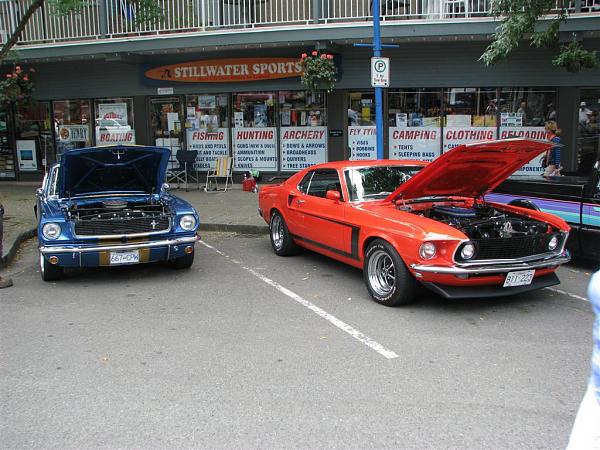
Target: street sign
{"points": [[380, 72]]}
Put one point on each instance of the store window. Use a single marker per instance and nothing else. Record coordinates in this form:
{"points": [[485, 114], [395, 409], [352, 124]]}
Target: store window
{"points": [[207, 127], [7, 158], [527, 107], [114, 121], [71, 124], [470, 115], [414, 117], [35, 146], [303, 118], [588, 132], [166, 124], [523, 113], [362, 134], [255, 132]]}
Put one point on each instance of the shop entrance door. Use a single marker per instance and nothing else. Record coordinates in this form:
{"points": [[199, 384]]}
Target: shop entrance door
{"points": [[588, 134], [166, 119]]}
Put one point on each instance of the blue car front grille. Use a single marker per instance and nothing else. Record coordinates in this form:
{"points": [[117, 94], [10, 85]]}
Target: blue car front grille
{"points": [[121, 226]]}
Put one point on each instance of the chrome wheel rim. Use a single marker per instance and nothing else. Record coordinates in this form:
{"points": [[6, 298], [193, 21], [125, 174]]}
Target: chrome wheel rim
{"points": [[381, 273], [277, 231]]}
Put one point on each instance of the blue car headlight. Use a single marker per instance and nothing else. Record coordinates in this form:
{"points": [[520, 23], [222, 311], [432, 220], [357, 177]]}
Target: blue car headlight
{"points": [[187, 222], [51, 231]]}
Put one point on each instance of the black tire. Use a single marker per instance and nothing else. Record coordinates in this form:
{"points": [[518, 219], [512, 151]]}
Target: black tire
{"points": [[388, 280], [50, 272], [281, 240], [184, 262]]}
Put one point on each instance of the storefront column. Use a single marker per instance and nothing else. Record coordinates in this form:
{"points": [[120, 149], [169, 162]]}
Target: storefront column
{"points": [[567, 112]]}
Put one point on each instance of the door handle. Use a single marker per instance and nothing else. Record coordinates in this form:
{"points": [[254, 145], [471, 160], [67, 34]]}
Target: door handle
{"points": [[300, 201]]}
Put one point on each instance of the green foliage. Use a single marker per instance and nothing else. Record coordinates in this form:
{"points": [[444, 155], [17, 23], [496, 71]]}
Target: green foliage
{"points": [[17, 86], [574, 57], [519, 19], [318, 71]]}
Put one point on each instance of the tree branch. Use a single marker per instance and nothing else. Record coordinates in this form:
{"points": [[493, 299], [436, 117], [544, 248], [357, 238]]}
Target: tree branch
{"points": [[20, 27]]}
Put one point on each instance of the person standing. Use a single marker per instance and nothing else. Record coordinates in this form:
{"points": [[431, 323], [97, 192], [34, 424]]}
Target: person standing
{"points": [[586, 429], [551, 162], [4, 282]]}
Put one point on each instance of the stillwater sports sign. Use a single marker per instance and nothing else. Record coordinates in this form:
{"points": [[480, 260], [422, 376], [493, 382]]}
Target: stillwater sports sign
{"points": [[228, 70]]}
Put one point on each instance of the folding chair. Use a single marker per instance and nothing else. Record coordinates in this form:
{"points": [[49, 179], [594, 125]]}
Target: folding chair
{"points": [[186, 171], [222, 168]]}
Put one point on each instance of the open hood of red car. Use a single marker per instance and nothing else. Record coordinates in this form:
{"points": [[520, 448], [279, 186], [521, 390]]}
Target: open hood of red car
{"points": [[471, 170]]}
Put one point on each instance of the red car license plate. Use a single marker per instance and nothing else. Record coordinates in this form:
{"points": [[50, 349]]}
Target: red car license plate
{"points": [[519, 278]]}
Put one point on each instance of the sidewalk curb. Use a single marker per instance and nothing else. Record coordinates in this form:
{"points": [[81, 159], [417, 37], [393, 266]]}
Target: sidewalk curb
{"points": [[219, 227], [5, 260]]}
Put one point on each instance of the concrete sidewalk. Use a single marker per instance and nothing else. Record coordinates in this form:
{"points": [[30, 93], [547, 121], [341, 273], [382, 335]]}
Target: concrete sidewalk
{"points": [[233, 210]]}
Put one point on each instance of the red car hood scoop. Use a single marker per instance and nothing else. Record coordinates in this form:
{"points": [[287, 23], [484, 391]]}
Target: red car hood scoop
{"points": [[471, 170]]}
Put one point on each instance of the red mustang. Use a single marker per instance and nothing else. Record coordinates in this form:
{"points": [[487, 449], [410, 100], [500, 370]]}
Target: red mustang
{"points": [[407, 223]]}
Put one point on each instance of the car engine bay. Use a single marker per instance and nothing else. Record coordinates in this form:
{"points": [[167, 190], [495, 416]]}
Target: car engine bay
{"points": [[119, 217], [484, 221]]}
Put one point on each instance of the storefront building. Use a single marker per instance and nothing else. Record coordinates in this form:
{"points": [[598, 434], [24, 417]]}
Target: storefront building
{"points": [[246, 101]]}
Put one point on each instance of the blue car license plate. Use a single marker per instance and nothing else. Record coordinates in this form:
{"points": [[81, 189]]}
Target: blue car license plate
{"points": [[129, 257]]}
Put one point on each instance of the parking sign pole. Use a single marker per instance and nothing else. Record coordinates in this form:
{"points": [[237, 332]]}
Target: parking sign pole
{"points": [[378, 89]]}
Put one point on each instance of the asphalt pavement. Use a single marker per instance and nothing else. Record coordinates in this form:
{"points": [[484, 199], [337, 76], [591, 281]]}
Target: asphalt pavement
{"points": [[250, 350]]}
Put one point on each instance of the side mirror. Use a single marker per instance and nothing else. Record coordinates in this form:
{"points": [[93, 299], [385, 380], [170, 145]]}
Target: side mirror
{"points": [[333, 195], [39, 192], [166, 187]]}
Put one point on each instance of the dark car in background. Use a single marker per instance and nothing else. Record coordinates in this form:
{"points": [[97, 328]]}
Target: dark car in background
{"points": [[576, 199], [108, 206]]}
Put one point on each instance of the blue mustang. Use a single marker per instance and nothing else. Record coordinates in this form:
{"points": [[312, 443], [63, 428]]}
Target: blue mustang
{"points": [[106, 206]]}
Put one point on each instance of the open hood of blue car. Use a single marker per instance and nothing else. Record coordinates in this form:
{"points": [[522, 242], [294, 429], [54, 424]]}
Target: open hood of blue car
{"points": [[112, 169]]}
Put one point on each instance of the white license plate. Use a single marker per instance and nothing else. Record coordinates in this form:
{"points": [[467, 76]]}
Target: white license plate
{"points": [[131, 257], [519, 278]]}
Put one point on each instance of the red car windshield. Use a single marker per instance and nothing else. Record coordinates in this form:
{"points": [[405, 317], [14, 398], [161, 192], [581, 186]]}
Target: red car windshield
{"points": [[374, 183]]}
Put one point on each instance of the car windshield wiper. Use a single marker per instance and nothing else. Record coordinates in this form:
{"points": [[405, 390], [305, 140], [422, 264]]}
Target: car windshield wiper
{"points": [[377, 194]]}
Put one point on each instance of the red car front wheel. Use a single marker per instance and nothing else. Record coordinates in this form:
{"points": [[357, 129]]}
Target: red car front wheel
{"points": [[387, 278]]}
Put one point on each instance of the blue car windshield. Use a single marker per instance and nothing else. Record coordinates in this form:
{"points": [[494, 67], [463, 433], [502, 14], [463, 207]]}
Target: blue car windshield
{"points": [[375, 183]]}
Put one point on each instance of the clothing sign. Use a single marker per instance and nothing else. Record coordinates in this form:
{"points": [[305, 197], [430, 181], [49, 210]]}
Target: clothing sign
{"points": [[362, 142], [255, 148], [453, 137], [112, 114], [533, 167], [420, 143], [303, 147], [115, 137], [228, 70], [210, 145]]}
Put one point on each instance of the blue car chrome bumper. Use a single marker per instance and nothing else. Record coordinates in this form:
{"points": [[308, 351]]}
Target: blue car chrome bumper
{"points": [[75, 255]]}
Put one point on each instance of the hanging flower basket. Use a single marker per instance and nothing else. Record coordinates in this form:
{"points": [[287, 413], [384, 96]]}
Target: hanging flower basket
{"points": [[574, 57], [318, 71], [17, 86]]}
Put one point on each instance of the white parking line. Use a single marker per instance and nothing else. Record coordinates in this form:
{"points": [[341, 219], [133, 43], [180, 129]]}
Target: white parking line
{"points": [[314, 308], [559, 291]]}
